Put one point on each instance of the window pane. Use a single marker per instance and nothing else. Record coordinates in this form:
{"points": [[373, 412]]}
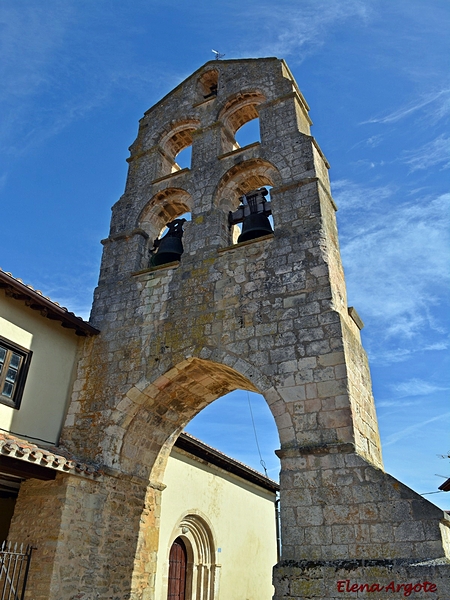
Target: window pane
{"points": [[11, 375], [15, 360], [7, 390], [13, 366]]}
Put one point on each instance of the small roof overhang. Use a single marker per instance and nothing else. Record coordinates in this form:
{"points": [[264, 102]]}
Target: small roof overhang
{"points": [[26, 460], [35, 300], [445, 487]]}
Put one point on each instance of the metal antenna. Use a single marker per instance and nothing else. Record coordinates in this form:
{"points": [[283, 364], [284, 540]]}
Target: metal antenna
{"points": [[218, 55]]}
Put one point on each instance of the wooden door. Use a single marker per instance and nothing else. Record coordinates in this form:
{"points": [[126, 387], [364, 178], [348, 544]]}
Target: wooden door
{"points": [[177, 571]]}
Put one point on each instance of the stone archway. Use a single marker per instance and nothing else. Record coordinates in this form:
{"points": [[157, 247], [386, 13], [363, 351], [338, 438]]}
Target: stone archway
{"points": [[161, 410], [165, 206], [242, 178]]}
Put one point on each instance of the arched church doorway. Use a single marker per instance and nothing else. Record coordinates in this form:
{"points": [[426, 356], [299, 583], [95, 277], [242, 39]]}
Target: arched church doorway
{"points": [[192, 572], [177, 571]]}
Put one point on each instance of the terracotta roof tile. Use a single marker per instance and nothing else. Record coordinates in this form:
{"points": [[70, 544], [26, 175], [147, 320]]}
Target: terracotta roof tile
{"points": [[51, 458]]}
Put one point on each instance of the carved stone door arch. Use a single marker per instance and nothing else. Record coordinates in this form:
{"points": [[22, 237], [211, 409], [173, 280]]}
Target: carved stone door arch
{"points": [[198, 577]]}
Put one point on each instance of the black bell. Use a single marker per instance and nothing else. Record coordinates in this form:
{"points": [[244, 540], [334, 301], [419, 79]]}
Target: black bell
{"points": [[169, 248], [253, 213], [254, 226]]}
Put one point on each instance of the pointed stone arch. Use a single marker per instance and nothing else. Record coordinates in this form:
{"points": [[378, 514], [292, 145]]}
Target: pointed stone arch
{"points": [[242, 178], [240, 108], [151, 415], [164, 206]]}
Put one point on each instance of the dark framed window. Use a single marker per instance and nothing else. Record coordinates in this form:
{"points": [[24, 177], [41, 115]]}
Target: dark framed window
{"points": [[14, 364]]}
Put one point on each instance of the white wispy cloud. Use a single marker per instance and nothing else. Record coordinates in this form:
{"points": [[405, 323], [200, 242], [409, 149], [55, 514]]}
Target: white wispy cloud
{"points": [[436, 152], [437, 102], [59, 62], [416, 387], [395, 256], [288, 28], [385, 355], [394, 404], [437, 346], [371, 142], [398, 435], [29, 39], [350, 195]]}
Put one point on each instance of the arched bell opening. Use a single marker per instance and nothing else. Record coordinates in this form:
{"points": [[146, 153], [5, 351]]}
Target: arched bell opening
{"points": [[207, 85], [184, 158], [165, 217], [249, 133], [253, 217], [176, 146], [241, 120], [168, 246], [245, 184]]}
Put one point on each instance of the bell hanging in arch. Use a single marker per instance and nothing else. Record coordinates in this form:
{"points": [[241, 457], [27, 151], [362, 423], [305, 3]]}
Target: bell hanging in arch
{"points": [[254, 226], [170, 247], [253, 213]]}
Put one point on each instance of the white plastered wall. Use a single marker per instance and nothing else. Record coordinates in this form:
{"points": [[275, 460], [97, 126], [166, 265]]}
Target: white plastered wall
{"points": [[242, 519], [50, 377]]}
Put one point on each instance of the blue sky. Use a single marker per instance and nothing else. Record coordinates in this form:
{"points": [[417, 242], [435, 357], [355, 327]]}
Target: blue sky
{"points": [[76, 77]]}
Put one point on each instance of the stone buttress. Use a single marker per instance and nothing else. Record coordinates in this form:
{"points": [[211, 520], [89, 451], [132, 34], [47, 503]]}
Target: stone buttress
{"points": [[268, 315]]}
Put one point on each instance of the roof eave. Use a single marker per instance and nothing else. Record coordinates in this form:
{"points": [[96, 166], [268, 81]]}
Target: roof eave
{"points": [[201, 450], [36, 301], [445, 487]]}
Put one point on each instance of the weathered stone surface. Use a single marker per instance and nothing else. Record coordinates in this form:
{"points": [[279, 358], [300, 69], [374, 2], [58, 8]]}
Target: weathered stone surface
{"points": [[365, 578]]}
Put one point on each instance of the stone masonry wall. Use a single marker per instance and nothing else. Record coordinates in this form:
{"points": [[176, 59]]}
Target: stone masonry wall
{"points": [[379, 579], [82, 532]]}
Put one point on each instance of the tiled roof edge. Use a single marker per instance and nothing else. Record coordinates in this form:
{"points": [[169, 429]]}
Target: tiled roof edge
{"points": [[50, 458]]}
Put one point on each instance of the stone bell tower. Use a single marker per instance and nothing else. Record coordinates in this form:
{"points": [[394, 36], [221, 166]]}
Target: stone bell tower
{"points": [[267, 314]]}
